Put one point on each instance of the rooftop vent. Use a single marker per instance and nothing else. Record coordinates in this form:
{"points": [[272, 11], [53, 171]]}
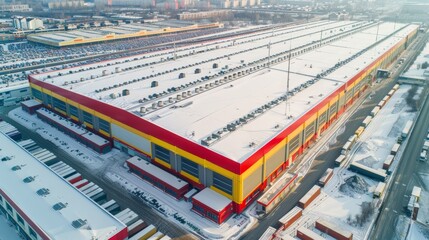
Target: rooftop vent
{"points": [[58, 206], [79, 223], [16, 168], [43, 192], [28, 179]]}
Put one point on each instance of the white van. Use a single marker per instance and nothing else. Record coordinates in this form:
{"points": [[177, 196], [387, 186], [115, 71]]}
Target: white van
{"points": [[423, 156]]}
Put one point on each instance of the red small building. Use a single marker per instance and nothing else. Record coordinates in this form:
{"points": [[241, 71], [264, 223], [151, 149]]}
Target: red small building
{"points": [[31, 106], [212, 205], [161, 179]]}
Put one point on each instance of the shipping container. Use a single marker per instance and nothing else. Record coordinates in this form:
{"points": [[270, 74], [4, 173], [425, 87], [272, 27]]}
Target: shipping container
{"points": [[426, 145], [290, 217], [386, 98], [74, 178], [366, 121], [136, 227], [306, 234], [156, 236], [407, 128], [388, 162], [346, 148], [165, 238], [309, 197], [352, 139], [90, 189], [81, 183], [145, 233], [375, 111], [326, 177], [359, 131], [123, 212], [396, 87], [129, 218], [395, 149], [339, 160], [114, 209], [416, 192], [108, 203], [91, 184], [379, 190], [268, 234], [367, 171], [333, 230]]}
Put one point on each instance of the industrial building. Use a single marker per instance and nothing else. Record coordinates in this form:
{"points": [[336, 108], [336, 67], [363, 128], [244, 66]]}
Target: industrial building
{"points": [[42, 205], [85, 36], [230, 114]]}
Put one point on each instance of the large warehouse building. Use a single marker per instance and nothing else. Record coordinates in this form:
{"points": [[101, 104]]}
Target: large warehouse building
{"points": [[217, 114], [42, 205], [125, 31]]}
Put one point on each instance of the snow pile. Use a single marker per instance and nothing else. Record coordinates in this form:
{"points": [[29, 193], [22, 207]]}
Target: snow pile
{"points": [[354, 184], [418, 232]]}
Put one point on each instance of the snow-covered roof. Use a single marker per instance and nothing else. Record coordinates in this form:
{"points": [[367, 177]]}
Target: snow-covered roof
{"points": [[206, 107], [212, 199], [39, 207], [157, 172], [62, 121], [31, 103]]}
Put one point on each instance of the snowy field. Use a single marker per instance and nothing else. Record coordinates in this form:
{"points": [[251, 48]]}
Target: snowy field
{"points": [[7, 230], [113, 166], [377, 140], [347, 200]]}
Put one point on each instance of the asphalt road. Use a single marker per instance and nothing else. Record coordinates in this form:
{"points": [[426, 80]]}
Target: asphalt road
{"points": [[113, 191], [327, 158], [405, 176]]}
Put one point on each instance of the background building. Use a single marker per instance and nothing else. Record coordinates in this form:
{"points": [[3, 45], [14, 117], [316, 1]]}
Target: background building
{"points": [[27, 23]]}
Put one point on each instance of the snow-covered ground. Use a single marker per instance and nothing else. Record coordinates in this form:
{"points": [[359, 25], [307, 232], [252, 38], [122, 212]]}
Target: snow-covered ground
{"points": [[7, 230], [87, 156], [377, 140], [341, 201], [418, 232]]}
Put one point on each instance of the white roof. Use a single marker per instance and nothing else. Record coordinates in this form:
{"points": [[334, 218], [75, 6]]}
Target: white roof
{"points": [[416, 191], [212, 199], [309, 194], [62, 121], [31, 103], [288, 216], [95, 138], [56, 224], [157, 172], [334, 228], [202, 114]]}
